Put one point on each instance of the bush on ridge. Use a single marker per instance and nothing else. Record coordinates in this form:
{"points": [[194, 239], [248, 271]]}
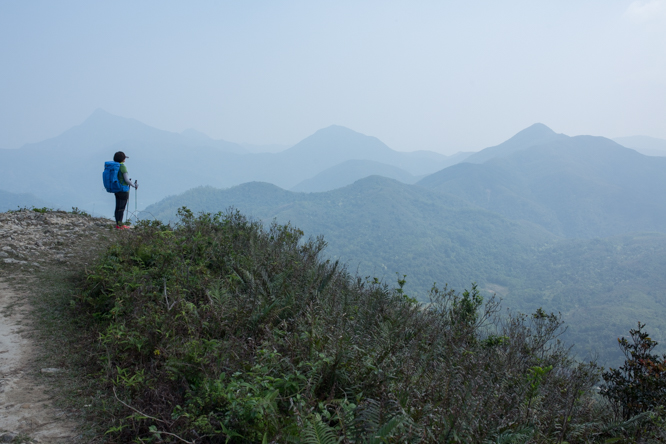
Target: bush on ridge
{"points": [[221, 330]]}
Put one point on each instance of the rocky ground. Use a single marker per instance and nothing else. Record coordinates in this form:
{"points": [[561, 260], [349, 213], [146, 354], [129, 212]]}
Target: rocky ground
{"points": [[30, 243], [35, 239]]}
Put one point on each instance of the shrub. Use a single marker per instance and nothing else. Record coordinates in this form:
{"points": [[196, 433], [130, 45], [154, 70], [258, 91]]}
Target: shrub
{"points": [[218, 330], [640, 384]]}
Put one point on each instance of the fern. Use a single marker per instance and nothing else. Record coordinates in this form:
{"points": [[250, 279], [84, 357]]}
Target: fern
{"points": [[386, 430], [316, 432], [630, 424], [218, 295], [512, 436], [369, 428]]}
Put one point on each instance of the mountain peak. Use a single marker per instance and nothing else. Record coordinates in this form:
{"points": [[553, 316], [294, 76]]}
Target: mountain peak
{"points": [[339, 142], [539, 126], [535, 134], [337, 130], [102, 129], [535, 131], [105, 118], [100, 112]]}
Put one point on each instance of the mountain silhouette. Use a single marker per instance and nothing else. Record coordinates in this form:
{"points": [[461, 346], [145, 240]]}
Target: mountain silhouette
{"points": [[349, 172], [66, 169], [579, 186], [379, 227], [335, 144], [536, 134], [13, 201], [102, 129]]}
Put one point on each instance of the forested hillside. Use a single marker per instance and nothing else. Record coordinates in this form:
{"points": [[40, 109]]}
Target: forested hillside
{"points": [[380, 227], [349, 172], [218, 329], [575, 186]]}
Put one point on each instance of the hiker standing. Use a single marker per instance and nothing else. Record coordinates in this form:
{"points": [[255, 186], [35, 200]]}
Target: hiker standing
{"points": [[117, 181]]}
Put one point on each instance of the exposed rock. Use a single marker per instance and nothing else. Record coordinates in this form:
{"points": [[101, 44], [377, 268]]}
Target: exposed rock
{"points": [[27, 236], [13, 261], [8, 437]]}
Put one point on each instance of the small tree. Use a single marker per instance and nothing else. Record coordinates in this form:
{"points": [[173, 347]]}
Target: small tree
{"points": [[640, 384]]}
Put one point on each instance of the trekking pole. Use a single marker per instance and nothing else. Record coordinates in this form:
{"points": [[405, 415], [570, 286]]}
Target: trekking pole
{"points": [[127, 206], [136, 194]]}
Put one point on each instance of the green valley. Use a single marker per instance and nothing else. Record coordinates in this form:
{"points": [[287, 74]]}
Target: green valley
{"points": [[379, 227]]}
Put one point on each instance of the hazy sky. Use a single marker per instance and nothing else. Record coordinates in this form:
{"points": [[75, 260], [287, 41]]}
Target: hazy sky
{"points": [[437, 75]]}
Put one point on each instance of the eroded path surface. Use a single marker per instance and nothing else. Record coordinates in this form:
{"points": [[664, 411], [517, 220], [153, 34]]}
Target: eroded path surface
{"points": [[25, 408], [32, 242]]}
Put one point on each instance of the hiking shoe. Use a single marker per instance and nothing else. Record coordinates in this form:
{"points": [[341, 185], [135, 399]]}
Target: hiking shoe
{"points": [[122, 227]]}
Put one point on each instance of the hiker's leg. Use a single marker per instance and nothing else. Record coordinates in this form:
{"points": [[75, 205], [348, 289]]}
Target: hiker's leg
{"points": [[121, 202]]}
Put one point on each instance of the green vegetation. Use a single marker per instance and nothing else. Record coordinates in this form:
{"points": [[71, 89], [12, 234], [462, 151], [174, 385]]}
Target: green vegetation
{"points": [[640, 384], [221, 330], [382, 227], [379, 227]]}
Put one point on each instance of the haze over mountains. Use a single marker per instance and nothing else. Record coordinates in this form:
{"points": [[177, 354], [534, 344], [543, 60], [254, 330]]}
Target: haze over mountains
{"points": [[349, 172], [580, 186], [534, 135], [65, 170], [380, 227], [571, 224], [650, 146]]}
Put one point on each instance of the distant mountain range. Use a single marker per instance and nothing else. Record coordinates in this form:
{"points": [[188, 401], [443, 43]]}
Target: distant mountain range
{"points": [[577, 187], [383, 226], [349, 172], [580, 186], [537, 134], [379, 227], [570, 224], [66, 169], [13, 201], [650, 146]]}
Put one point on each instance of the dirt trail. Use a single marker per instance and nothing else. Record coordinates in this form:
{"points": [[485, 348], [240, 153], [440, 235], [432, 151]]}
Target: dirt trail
{"points": [[32, 241], [25, 408]]}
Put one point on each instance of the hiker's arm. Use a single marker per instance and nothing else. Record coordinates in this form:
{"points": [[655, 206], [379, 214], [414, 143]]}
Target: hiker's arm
{"points": [[127, 180]]}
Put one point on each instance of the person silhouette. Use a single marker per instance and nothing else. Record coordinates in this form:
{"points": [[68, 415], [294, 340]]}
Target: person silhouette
{"points": [[122, 196]]}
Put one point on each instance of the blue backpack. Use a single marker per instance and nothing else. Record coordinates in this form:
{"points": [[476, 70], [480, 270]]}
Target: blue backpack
{"points": [[110, 178]]}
